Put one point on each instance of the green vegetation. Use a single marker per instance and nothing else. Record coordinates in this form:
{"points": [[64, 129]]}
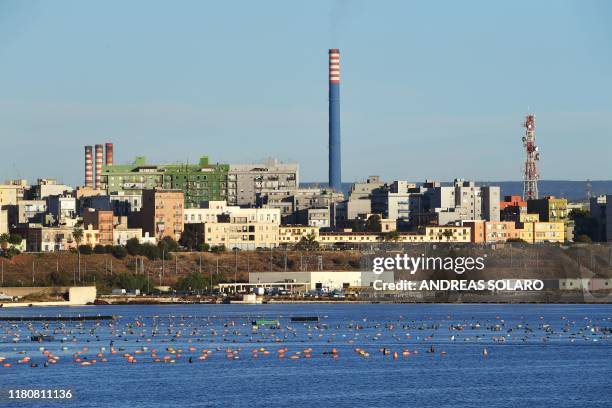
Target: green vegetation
{"points": [[307, 243]]}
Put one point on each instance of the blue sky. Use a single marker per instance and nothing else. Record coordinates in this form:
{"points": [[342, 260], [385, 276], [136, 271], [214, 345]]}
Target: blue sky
{"points": [[430, 89]]}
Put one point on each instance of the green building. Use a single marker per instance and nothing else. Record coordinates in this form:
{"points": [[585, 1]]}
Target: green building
{"points": [[199, 182]]}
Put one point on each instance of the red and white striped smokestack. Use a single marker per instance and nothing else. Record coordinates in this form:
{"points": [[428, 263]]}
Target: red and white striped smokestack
{"points": [[99, 152], [334, 66], [88, 166], [109, 154]]}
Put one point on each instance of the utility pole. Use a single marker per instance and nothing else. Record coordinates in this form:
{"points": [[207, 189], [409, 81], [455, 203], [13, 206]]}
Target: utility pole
{"points": [[236, 267], [2, 272], [32, 271]]}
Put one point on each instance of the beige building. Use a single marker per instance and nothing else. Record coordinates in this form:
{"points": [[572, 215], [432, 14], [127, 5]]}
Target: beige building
{"points": [[50, 239], [9, 194], [4, 229], [538, 232], [292, 234], [243, 228], [441, 234], [162, 213]]}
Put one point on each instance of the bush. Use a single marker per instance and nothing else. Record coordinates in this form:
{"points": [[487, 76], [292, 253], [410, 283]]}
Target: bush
{"points": [[15, 239], [119, 252], [583, 238], [99, 249], [85, 249], [108, 249], [133, 246], [193, 281], [167, 244], [151, 251], [218, 248], [204, 247]]}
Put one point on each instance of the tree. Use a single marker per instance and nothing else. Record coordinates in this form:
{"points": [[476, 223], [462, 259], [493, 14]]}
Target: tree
{"points": [[133, 246], [373, 223], [119, 252], [85, 249], [308, 243], [392, 236], [193, 281], [167, 245], [77, 234], [4, 241], [151, 251], [583, 238], [15, 239]]}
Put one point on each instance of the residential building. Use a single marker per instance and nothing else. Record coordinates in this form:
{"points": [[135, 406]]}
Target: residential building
{"points": [[292, 234], [550, 209], [48, 187], [198, 182], [242, 228], [161, 214], [49, 239], [4, 225], [598, 210], [511, 208], [435, 204], [62, 208], [103, 222], [27, 211], [246, 181]]}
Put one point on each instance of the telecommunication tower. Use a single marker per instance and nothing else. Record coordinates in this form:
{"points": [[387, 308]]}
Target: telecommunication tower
{"points": [[530, 177]]}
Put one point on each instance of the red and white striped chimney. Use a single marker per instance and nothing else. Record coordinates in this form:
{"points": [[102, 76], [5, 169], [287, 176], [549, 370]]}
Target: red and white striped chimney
{"points": [[109, 154], [99, 152], [88, 166], [334, 66]]}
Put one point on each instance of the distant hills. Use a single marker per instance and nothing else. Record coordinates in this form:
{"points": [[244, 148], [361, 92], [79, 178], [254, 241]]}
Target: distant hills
{"points": [[572, 190]]}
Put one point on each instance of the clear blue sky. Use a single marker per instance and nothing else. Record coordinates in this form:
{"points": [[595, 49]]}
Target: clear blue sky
{"points": [[429, 89]]}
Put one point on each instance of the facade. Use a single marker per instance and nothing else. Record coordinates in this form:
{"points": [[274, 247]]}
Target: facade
{"points": [[433, 234], [62, 208], [598, 209], [550, 209], [49, 239], [103, 222], [292, 234], [511, 208], [322, 280], [48, 187], [243, 229], [4, 225], [434, 204], [9, 194], [27, 211], [246, 181], [198, 182], [162, 213]]}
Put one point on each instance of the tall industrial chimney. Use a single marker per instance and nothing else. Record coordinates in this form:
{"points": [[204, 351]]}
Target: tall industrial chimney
{"points": [[335, 164], [109, 154], [88, 166], [99, 152]]}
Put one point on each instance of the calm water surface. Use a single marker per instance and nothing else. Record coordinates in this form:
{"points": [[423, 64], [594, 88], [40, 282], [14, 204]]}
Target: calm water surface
{"points": [[538, 356]]}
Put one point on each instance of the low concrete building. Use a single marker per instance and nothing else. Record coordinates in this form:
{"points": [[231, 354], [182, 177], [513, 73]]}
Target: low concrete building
{"points": [[322, 280], [292, 234]]}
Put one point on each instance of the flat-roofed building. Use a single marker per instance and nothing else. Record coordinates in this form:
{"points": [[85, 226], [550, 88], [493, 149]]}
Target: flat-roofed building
{"points": [[246, 181]]}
